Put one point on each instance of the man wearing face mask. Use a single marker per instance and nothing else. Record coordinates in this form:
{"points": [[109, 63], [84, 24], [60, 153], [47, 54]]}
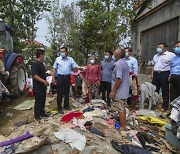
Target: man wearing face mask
{"points": [[132, 62], [175, 74], [133, 66], [107, 66], [160, 72], [39, 85], [63, 67]]}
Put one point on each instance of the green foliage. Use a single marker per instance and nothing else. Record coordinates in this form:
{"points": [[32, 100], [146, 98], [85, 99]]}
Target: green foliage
{"points": [[22, 15], [92, 26]]}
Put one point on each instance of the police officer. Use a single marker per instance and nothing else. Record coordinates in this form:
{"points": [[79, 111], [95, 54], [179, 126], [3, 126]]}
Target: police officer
{"points": [[39, 85], [63, 66]]}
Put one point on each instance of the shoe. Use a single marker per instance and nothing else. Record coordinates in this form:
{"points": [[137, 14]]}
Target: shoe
{"points": [[44, 115], [67, 108], [61, 112], [37, 119]]}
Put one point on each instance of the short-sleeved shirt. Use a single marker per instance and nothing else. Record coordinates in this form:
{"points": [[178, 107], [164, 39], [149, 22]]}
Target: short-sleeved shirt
{"points": [[106, 70], [64, 66], [175, 66], [38, 69], [133, 64], [121, 71], [162, 62]]}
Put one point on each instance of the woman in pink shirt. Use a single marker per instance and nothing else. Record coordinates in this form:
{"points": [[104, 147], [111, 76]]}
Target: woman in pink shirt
{"points": [[93, 77]]}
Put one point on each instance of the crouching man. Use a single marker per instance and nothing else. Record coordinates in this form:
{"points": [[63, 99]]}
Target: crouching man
{"points": [[39, 85], [120, 86]]}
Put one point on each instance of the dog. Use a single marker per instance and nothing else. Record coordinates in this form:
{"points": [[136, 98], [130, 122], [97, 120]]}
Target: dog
{"points": [[147, 91]]}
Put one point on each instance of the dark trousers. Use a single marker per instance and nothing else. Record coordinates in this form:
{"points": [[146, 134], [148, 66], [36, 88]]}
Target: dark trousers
{"points": [[160, 80], [63, 87], [40, 99], [174, 87], [106, 89]]}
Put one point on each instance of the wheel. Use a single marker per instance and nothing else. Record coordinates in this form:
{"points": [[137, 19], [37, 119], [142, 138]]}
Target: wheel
{"points": [[17, 79]]}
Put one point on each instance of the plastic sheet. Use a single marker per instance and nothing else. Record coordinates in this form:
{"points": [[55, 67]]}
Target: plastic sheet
{"points": [[153, 120]]}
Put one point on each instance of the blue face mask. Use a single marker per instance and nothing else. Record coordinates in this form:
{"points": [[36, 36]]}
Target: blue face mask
{"points": [[106, 57], [177, 50], [159, 50], [44, 59], [63, 54]]}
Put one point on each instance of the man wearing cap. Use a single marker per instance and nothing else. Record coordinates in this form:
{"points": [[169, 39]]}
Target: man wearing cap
{"points": [[63, 66], [2, 68]]}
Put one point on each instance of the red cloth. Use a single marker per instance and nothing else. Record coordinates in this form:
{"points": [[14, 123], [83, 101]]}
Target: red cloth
{"points": [[72, 79], [70, 116], [93, 74]]}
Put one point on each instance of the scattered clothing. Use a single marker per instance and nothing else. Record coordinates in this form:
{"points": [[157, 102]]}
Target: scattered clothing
{"points": [[148, 92], [129, 149], [70, 136], [70, 116], [17, 139]]}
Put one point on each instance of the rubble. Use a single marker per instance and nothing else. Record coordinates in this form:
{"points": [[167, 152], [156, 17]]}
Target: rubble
{"points": [[96, 139]]}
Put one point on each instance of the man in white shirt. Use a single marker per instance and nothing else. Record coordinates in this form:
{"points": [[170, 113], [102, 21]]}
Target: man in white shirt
{"points": [[160, 72]]}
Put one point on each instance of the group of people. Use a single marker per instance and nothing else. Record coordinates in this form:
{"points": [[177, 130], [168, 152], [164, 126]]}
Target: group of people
{"points": [[111, 77]]}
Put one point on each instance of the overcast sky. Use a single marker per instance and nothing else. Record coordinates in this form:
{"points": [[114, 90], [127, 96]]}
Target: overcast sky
{"points": [[42, 25]]}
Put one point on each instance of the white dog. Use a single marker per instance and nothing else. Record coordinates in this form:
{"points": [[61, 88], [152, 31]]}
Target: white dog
{"points": [[147, 91]]}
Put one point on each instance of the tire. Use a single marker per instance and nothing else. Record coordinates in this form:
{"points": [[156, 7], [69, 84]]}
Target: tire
{"points": [[17, 80]]}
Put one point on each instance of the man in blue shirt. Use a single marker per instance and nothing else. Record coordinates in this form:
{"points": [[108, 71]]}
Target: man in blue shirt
{"points": [[133, 66], [63, 67], [175, 73], [132, 62], [107, 66]]}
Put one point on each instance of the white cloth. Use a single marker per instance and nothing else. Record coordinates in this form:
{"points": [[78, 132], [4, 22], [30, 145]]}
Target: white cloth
{"points": [[70, 136], [148, 91], [174, 114], [162, 62], [3, 89]]}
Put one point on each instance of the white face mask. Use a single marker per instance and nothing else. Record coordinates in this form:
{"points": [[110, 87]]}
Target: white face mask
{"points": [[126, 54], [92, 61]]}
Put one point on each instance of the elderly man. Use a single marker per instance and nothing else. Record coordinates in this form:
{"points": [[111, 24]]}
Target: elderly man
{"points": [[120, 85], [175, 74], [161, 71], [63, 68]]}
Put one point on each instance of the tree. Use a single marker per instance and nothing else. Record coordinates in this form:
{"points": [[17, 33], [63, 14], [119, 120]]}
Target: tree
{"points": [[22, 15], [61, 21], [105, 23]]}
